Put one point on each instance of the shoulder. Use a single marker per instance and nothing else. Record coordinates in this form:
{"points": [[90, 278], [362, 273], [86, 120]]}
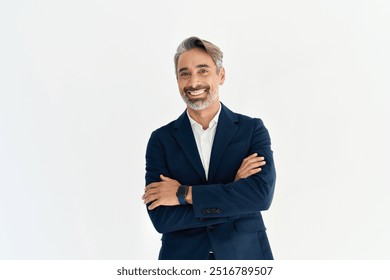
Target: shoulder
{"points": [[169, 128], [241, 119], [164, 131]]}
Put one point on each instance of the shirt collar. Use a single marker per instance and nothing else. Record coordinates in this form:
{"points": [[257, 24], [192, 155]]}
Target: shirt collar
{"points": [[212, 123]]}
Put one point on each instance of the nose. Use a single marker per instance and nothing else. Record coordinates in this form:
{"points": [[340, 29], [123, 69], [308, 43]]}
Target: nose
{"points": [[193, 81]]}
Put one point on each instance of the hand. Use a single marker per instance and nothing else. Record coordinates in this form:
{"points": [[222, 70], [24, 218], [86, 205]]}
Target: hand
{"points": [[161, 193], [249, 166]]}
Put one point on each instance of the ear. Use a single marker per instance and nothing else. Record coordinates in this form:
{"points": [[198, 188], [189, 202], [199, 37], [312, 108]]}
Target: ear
{"points": [[221, 76]]}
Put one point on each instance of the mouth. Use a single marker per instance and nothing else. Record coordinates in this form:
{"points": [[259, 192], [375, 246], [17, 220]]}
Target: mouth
{"points": [[196, 92]]}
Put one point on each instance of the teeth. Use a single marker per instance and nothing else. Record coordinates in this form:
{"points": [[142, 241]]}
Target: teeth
{"points": [[197, 92]]}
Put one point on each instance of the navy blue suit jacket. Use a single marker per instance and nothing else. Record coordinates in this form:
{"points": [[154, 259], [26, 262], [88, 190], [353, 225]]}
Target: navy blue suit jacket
{"points": [[225, 215]]}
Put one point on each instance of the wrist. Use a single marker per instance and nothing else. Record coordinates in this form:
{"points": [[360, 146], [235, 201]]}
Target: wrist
{"points": [[188, 198], [181, 194]]}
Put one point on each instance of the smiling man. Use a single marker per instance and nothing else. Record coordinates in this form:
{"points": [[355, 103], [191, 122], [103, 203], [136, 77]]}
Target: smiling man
{"points": [[210, 173]]}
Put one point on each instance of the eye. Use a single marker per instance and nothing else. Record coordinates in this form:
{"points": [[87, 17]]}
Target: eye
{"points": [[203, 71], [184, 74]]}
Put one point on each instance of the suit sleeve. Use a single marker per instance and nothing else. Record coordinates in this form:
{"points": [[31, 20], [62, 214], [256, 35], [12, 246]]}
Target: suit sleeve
{"points": [[169, 218], [248, 195]]}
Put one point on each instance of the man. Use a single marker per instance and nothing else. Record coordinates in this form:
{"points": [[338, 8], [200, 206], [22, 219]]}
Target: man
{"points": [[210, 172]]}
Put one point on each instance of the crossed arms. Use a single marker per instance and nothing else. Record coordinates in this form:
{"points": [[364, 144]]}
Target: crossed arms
{"points": [[163, 193], [249, 190]]}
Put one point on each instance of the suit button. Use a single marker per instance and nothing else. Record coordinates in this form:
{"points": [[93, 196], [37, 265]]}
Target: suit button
{"points": [[211, 228], [219, 211], [213, 210], [208, 211]]}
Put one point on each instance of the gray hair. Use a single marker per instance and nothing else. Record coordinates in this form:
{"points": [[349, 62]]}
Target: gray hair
{"points": [[195, 42]]}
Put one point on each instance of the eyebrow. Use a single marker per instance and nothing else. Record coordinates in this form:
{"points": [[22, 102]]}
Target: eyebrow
{"points": [[202, 66], [197, 66]]}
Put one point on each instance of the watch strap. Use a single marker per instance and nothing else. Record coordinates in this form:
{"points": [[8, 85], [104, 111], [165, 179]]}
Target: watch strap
{"points": [[181, 194]]}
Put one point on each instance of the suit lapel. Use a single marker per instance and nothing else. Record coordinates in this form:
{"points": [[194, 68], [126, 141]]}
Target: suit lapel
{"points": [[185, 138], [226, 129]]}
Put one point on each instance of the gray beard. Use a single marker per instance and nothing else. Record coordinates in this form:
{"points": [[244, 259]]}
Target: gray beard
{"points": [[199, 104]]}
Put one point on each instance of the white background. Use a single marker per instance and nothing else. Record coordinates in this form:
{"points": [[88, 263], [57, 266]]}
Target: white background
{"points": [[83, 83]]}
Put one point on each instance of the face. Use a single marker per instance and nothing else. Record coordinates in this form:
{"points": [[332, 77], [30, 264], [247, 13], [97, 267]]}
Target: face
{"points": [[198, 79]]}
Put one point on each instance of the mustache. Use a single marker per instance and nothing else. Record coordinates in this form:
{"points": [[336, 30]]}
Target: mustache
{"points": [[190, 88]]}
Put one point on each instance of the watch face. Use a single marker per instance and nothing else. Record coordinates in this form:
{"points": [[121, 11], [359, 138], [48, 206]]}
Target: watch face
{"points": [[182, 191]]}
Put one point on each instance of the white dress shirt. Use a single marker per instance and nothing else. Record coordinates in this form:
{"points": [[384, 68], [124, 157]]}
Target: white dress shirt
{"points": [[204, 139]]}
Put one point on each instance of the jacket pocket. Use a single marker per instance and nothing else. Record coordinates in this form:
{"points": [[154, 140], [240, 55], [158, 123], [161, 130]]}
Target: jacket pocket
{"points": [[249, 225]]}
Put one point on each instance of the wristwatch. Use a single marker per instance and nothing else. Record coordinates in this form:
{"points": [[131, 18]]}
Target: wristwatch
{"points": [[181, 194]]}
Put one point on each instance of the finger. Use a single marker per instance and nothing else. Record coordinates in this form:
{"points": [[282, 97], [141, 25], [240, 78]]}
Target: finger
{"points": [[254, 159], [251, 165], [150, 198], [150, 192], [250, 157], [154, 205], [255, 165], [146, 195], [250, 172], [148, 188], [164, 178], [255, 162], [254, 171], [246, 169], [152, 185]]}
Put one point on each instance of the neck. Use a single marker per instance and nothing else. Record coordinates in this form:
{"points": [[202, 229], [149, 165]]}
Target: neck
{"points": [[204, 117]]}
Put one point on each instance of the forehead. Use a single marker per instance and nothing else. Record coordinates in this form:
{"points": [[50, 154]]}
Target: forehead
{"points": [[193, 58]]}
